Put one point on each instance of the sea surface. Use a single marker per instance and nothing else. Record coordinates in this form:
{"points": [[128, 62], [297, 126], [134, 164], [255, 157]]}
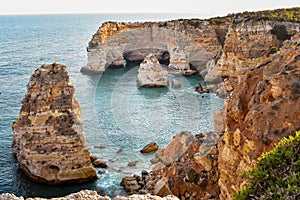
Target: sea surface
{"points": [[116, 114]]}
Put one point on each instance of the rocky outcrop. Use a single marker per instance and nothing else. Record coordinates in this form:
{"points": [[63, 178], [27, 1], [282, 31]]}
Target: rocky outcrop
{"points": [[48, 135], [187, 168], [263, 101], [151, 73], [182, 42], [90, 195]]}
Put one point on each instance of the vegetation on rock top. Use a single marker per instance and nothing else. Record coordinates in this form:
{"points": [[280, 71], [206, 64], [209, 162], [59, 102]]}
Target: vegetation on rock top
{"points": [[276, 174], [283, 14]]}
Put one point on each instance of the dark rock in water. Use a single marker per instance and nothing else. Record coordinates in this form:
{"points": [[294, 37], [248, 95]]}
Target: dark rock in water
{"points": [[150, 148], [93, 158], [201, 89], [100, 163], [132, 163], [48, 137]]}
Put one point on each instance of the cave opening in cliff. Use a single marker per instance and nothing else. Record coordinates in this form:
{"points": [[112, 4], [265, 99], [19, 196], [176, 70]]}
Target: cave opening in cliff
{"points": [[135, 57]]}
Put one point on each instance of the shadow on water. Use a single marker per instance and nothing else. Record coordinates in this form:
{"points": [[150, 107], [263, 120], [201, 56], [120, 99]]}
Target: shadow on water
{"points": [[28, 188]]}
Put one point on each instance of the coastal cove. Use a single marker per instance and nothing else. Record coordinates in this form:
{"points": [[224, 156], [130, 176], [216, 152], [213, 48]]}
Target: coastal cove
{"points": [[212, 98], [151, 114]]}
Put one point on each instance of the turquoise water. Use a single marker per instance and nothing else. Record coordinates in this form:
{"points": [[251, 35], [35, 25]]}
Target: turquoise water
{"points": [[116, 114]]}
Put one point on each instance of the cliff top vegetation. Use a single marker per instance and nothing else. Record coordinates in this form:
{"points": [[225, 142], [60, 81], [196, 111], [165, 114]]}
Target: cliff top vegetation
{"points": [[282, 14], [276, 174]]}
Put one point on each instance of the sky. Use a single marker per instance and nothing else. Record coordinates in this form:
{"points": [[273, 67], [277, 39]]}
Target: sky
{"points": [[202, 7]]}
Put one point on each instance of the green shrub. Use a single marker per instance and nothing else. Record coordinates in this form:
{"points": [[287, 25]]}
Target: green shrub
{"points": [[280, 32], [276, 174]]}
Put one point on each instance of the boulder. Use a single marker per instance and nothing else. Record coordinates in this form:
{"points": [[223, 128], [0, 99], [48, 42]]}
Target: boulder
{"points": [[176, 83], [201, 89], [130, 184], [100, 163], [161, 188], [151, 73], [176, 148], [149, 148], [48, 137], [132, 163]]}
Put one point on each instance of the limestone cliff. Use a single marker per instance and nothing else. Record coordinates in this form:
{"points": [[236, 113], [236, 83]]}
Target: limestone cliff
{"points": [[48, 135], [182, 42], [262, 80]]}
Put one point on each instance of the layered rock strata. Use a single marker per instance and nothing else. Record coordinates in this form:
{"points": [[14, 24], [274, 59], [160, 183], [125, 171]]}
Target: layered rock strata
{"points": [[262, 84], [151, 73], [48, 137], [182, 42]]}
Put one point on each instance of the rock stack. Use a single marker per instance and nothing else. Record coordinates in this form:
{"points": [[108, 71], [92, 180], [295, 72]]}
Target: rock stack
{"points": [[151, 73], [48, 135]]}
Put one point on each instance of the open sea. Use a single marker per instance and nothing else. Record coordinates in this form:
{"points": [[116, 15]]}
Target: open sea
{"points": [[116, 114]]}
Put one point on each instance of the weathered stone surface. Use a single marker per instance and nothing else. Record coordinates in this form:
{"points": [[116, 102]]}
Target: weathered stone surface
{"points": [[192, 171], [146, 197], [48, 135], [176, 148], [151, 73], [131, 184], [84, 194], [263, 102], [151, 147], [161, 188], [90, 195], [183, 42]]}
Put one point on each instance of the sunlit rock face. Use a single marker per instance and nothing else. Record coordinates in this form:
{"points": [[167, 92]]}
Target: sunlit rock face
{"points": [[263, 97], [151, 73], [48, 135], [183, 42]]}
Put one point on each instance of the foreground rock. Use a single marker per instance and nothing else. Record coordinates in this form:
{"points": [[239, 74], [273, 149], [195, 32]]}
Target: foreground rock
{"points": [[48, 135], [187, 169], [151, 73], [90, 195], [146, 197]]}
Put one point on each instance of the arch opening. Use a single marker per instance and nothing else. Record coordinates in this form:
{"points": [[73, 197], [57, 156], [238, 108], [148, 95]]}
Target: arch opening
{"points": [[137, 56]]}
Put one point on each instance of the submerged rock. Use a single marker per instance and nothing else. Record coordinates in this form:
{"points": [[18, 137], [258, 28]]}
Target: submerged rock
{"points": [[48, 137], [151, 73], [176, 83]]}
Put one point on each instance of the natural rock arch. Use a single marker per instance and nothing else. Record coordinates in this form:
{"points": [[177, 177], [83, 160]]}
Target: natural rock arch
{"points": [[183, 43]]}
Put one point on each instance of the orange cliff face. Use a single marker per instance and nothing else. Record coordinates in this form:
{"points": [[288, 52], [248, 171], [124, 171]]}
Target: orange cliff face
{"points": [[263, 100], [48, 137]]}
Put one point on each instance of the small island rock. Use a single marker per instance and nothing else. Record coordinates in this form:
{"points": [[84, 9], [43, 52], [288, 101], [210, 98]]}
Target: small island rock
{"points": [[150, 148], [151, 73], [48, 137]]}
